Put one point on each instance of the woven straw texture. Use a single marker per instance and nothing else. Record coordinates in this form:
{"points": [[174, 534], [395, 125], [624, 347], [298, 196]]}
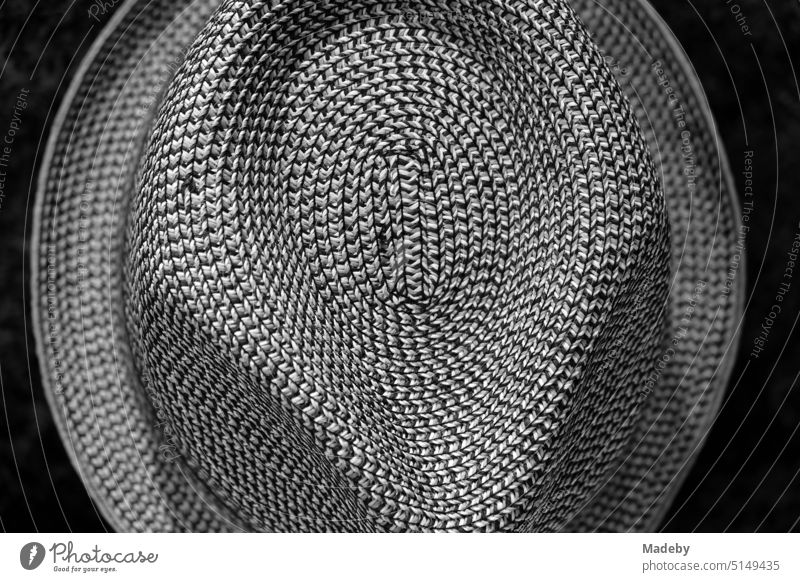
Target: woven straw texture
{"points": [[686, 385], [383, 266]]}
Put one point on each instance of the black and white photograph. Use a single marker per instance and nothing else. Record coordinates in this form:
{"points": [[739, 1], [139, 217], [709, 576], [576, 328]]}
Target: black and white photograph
{"points": [[380, 267]]}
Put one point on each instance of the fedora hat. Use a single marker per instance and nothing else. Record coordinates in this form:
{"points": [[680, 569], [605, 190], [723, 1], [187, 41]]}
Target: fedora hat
{"points": [[384, 266]]}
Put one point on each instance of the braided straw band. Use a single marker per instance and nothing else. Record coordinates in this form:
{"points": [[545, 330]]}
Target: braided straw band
{"points": [[385, 267]]}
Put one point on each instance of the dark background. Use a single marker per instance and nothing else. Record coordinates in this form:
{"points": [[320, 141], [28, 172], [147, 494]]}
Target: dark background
{"points": [[746, 478]]}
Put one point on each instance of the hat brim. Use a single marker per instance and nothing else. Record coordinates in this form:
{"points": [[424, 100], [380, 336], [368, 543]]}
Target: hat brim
{"points": [[111, 429], [708, 268]]}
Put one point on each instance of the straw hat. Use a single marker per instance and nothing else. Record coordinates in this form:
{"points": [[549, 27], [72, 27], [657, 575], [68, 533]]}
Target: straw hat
{"points": [[380, 266]]}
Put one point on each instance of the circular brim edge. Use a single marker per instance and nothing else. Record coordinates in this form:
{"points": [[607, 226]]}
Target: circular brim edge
{"points": [[724, 369]]}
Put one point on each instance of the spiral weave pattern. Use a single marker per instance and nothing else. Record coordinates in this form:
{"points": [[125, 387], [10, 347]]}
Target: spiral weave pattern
{"points": [[377, 258], [383, 266]]}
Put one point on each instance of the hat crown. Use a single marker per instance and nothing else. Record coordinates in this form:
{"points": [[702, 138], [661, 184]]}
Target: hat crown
{"points": [[380, 258]]}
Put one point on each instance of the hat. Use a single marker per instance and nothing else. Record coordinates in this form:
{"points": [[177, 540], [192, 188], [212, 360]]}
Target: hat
{"points": [[384, 266]]}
